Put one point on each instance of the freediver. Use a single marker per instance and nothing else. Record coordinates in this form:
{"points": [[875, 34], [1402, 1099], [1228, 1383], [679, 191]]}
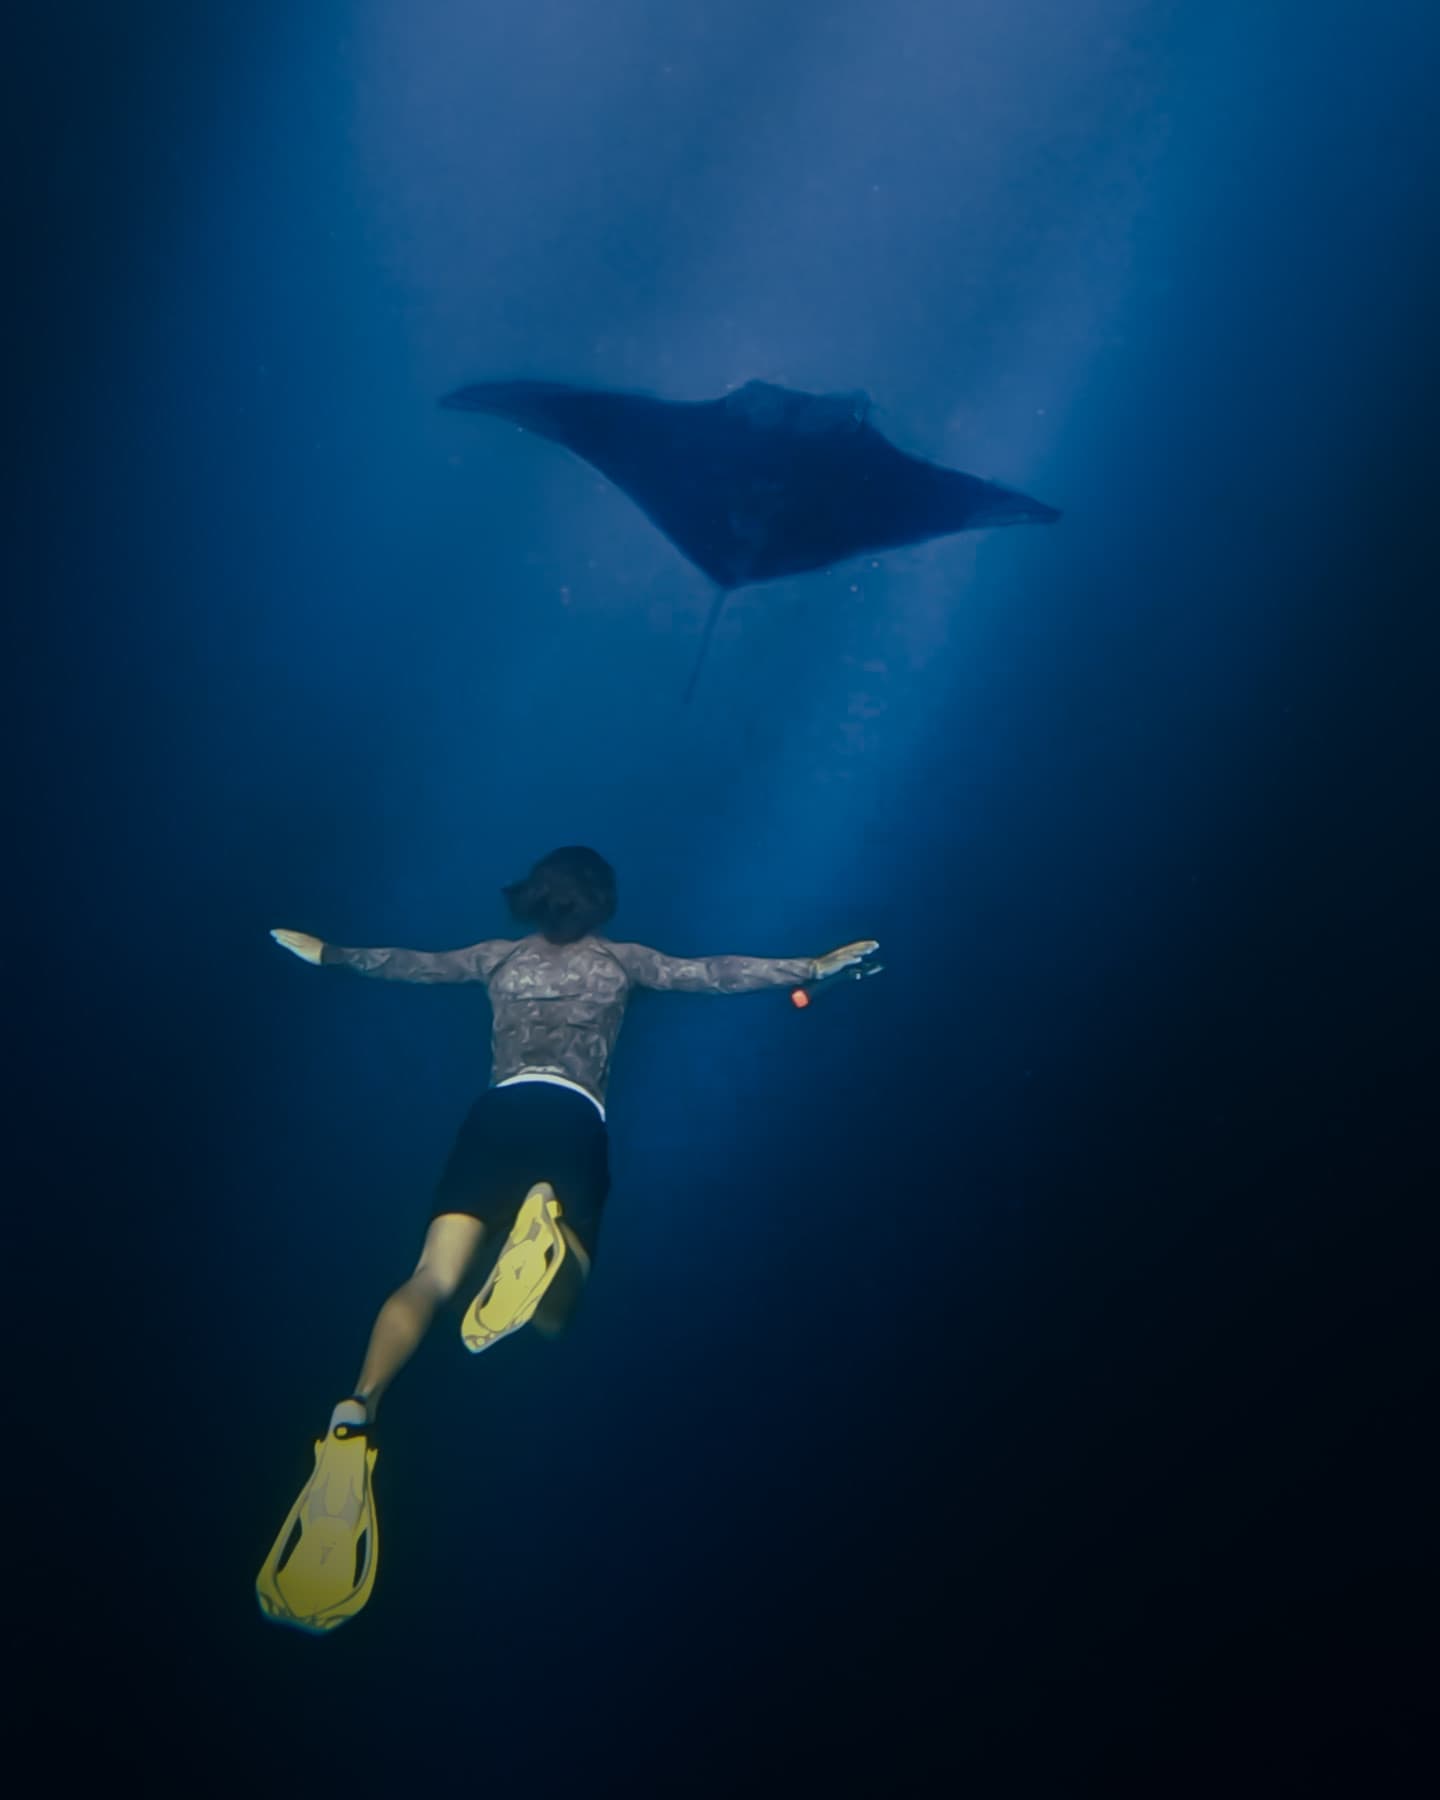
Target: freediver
{"points": [[530, 1166]]}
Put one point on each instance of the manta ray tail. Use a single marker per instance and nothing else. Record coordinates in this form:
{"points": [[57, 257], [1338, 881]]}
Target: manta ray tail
{"points": [[717, 606]]}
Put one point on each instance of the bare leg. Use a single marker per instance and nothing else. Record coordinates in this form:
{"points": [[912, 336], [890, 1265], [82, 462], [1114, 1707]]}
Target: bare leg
{"points": [[553, 1313], [450, 1246]]}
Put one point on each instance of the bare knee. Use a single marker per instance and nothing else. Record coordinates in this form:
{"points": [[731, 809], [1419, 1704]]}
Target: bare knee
{"points": [[450, 1246], [432, 1286]]}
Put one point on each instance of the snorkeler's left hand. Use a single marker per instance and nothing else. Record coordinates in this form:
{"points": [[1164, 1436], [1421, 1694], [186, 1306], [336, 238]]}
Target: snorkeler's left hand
{"points": [[299, 943], [843, 958]]}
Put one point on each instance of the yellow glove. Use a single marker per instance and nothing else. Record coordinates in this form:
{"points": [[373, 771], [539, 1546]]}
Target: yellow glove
{"points": [[835, 960], [299, 943]]}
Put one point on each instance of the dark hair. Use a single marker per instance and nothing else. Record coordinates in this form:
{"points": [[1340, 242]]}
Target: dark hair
{"points": [[567, 894]]}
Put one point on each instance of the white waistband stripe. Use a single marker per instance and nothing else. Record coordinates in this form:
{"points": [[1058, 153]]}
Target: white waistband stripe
{"points": [[555, 1081]]}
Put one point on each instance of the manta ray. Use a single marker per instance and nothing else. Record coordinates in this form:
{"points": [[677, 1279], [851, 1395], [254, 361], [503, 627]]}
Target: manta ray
{"points": [[761, 483]]}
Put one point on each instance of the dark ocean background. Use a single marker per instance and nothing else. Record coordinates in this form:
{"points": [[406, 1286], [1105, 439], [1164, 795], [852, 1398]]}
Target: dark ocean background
{"points": [[1007, 1379]]}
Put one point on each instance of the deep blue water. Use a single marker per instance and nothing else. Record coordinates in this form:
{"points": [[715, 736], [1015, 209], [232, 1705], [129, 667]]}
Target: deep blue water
{"points": [[1009, 1374]]}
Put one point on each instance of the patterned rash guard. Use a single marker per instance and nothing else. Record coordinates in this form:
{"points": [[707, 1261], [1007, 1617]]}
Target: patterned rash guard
{"points": [[558, 1007]]}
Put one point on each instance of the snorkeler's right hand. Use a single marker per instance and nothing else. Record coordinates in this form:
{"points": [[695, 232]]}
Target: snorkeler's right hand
{"points": [[299, 943], [835, 960]]}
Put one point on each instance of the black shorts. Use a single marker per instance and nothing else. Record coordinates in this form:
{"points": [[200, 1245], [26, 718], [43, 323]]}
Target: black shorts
{"points": [[516, 1136]]}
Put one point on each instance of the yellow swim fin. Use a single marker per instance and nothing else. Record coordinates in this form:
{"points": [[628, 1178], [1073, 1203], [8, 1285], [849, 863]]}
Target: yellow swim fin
{"points": [[321, 1567], [524, 1269]]}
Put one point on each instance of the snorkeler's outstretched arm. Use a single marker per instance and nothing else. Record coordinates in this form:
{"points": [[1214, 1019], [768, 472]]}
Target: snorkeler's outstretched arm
{"points": [[729, 974], [473, 963]]}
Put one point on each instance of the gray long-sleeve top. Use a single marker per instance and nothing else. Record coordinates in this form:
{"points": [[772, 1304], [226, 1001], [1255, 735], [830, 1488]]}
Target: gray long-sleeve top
{"points": [[559, 1007]]}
